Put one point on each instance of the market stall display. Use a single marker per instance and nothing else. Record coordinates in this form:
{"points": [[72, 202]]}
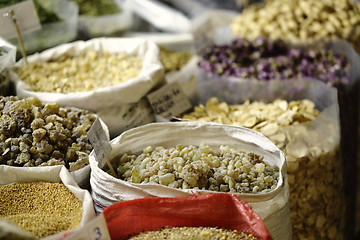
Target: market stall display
{"points": [[275, 94]]}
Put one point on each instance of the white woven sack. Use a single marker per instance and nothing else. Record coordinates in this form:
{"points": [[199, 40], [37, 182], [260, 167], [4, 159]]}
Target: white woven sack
{"points": [[129, 91], [273, 207], [9, 174]]}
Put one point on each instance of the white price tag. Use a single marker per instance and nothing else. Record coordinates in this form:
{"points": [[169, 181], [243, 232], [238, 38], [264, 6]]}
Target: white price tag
{"points": [[99, 142], [169, 101], [96, 229], [26, 18]]}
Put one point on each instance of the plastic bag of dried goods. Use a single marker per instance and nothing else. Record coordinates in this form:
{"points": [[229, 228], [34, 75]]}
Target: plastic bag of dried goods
{"points": [[304, 123], [348, 93], [273, 207], [54, 33], [131, 68], [213, 28], [104, 18], [213, 210], [7, 59], [12, 176], [159, 15]]}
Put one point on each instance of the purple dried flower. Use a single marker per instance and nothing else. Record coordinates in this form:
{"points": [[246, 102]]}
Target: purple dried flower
{"points": [[264, 59]]}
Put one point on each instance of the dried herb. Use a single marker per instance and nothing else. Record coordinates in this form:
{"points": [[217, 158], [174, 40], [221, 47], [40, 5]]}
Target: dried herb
{"points": [[97, 7]]}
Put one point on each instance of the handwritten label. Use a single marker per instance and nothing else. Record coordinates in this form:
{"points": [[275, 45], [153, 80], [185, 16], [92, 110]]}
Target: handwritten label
{"points": [[169, 101], [138, 114], [26, 18], [96, 229], [100, 142]]}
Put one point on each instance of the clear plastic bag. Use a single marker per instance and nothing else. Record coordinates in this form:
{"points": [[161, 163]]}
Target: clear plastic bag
{"points": [[214, 30], [108, 25], [52, 34], [312, 149]]}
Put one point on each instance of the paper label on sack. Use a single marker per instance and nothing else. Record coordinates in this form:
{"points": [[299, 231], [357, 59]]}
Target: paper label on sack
{"points": [[26, 18], [169, 101], [96, 229], [99, 142], [138, 114]]}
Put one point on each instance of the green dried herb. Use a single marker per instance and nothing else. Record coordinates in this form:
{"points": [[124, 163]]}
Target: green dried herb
{"points": [[97, 7]]}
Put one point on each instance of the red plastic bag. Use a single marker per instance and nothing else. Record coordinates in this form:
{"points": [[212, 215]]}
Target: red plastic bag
{"points": [[214, 210]]}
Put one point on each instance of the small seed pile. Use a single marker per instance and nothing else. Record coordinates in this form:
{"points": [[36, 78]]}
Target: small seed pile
{"points": [[33, 134], [186, 233], [173, 60], [86, 72], [300, 20], [190, 167], [41, 208], [312, 156]]}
